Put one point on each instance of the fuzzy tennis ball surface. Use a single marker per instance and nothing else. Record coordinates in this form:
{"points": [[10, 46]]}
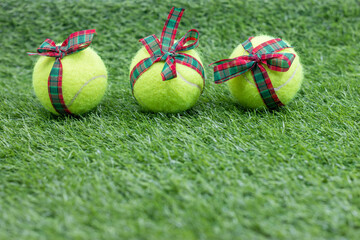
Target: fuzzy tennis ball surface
{"points": [[286, 84], [175, 95], [84, 80]]}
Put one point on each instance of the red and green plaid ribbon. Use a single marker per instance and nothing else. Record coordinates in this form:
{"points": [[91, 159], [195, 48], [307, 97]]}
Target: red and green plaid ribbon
{"points": [[168, 51], [76, 42], [267, 54]]}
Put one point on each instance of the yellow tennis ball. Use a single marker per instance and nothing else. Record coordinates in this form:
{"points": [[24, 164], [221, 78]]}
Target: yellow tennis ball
{"points": [[84, 81], [175, 95], [286, 84]]}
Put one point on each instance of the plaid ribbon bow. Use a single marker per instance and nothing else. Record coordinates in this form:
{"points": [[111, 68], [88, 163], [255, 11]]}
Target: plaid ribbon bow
{"points": [[267, 54], [76, 42], [168, 51]]}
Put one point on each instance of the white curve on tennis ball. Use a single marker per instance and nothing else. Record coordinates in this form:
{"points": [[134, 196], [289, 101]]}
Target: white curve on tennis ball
{"points": [[284, 84], [192, 84], [82, 87]]}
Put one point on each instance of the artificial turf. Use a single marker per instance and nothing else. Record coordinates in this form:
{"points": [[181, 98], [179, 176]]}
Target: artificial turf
{"points": [[217, 171]]}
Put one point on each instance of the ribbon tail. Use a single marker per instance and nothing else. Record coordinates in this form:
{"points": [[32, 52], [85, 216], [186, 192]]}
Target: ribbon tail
{"points": [[55, 88], [247, 45], [280, 62], [265, 87], [229, 69], [222, 61], [170, 28], [32, 54], [169, 70], [219, 78]]}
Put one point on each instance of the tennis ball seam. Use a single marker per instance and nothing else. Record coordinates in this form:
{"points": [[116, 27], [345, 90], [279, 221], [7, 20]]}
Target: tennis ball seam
{"points": [[82, 87], [292, 76], [279, 87], [190, 83]]}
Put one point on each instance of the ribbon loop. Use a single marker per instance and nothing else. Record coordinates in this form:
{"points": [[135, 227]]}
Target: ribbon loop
{"points": [[169, 52], [152, 45], [47, 48], [76, 42], [191, 36], [170, 28], [264, 54], [279, 62]]}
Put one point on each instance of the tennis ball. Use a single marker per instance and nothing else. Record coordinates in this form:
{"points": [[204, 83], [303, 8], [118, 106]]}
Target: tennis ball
{"points": [[175, 95], [286, 84], [84, 81]]}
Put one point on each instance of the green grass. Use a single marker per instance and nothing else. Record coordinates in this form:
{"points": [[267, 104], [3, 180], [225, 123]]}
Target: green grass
{"points": [[216, 171]]}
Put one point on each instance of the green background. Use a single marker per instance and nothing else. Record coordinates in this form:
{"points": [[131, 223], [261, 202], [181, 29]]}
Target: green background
{"points": [[216, 171]]}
